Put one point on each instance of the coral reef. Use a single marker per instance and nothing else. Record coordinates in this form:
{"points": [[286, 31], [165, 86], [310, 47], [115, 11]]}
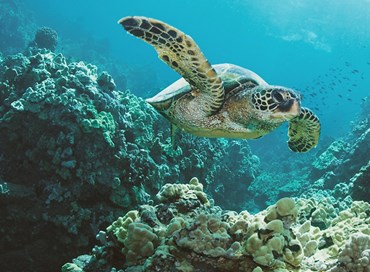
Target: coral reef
{"points": [[184, 231], [339, 171], [343, 169], [356, 254], [46, 37], [327, 248], [78, 151]]}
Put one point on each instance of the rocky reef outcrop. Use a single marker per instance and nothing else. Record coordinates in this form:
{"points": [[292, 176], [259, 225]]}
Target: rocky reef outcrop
{"points": [[75, 152], [339, 169], [343, 169], [81, 156], [45, 37], [184, 231]]}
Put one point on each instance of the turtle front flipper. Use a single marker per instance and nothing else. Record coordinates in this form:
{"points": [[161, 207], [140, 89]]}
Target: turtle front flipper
{"points": [[181, 53], [304, 131]]}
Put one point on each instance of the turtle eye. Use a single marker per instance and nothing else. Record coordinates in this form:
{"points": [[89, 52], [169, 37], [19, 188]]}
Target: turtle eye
{"points": [[277, 96]]}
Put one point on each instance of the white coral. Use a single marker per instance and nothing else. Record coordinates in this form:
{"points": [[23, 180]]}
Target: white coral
{"points": [[356, 254]]}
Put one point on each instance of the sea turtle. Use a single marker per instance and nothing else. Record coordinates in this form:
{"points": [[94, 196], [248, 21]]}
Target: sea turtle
{"points": [[223, 100]]}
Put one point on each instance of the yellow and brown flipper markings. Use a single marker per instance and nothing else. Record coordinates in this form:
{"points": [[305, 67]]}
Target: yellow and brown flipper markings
{"points": [[181, 53], [304, 131]]}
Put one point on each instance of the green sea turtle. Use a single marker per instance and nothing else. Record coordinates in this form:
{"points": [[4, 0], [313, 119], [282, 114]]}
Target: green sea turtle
{"points": [[223, 100]]}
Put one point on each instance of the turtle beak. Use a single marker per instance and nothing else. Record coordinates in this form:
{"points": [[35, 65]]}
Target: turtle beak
{"points": [[288, 109], [295, 110]]}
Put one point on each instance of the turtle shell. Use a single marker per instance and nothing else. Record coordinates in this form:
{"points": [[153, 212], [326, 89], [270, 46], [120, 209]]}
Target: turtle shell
{"points": [[231, 75]]}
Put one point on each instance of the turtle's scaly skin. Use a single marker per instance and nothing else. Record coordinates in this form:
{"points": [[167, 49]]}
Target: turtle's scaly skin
{"points": [[182, 54], [304, 131], [223, 100]]}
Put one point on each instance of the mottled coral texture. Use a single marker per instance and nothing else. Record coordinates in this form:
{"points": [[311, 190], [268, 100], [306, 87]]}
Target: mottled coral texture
{"points": [[47, 38], [184, 231], [75, 151]]}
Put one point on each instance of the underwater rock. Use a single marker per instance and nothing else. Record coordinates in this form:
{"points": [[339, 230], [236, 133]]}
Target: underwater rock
{"points": [[46, 37], [329, 159], [106, 82], [341, 173], [360, 188], [207, 238], [78, 151]]}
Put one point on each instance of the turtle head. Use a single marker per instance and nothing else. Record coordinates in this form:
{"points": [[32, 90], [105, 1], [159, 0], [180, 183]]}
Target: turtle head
{"points": [[276, 103]]}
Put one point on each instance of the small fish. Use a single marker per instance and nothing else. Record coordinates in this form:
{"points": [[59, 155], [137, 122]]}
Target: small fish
{"points": [[349, 99], [355, 71], [341, 96]]}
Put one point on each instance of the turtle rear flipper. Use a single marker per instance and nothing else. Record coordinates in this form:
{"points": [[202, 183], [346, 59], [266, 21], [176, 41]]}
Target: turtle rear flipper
{"points": [[182, 54], [304, 131]]}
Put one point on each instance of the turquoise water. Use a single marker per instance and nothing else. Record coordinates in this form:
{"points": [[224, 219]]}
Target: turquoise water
{"points": [[76, 153], [321, 48]]}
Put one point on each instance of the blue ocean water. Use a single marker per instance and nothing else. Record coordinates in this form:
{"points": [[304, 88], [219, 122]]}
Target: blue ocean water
{"points": [[320, 48]]}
